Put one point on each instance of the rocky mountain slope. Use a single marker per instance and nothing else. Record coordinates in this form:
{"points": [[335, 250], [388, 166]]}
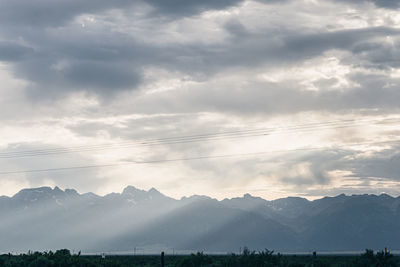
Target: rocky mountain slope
{"points": [[45, 218]]}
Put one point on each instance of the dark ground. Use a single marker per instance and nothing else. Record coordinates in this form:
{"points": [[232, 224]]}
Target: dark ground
{"points": [[63, 258]]}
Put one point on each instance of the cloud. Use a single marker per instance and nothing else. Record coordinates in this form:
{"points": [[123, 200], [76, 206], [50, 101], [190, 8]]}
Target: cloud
{"points": [[10, 51], [103, 68], [387, 3], [44, 13], [392, 4], [104, 58], [189, 7], [252, 97], [77, 72], [383, 164], [47, 13], [94, 75], [359, 168], [81, 179]]}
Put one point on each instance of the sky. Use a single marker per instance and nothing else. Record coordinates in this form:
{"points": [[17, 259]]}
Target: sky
{"points": [[214, 97]]}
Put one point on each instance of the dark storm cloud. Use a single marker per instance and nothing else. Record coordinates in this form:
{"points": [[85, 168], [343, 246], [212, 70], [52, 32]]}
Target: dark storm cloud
{"points": [[51, 13], [96, 62], [11, 51], [103, 79], [319, 163], [386, 3], [377, 55], [187, 8], [383, 165], [100, 60], [272, 48], [315, 43], [58, 12], [195, 73], [286, 46], [392, 4], [103, 76]]}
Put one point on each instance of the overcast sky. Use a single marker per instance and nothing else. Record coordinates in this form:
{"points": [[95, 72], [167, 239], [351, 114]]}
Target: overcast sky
{"points": [[321, 77]]}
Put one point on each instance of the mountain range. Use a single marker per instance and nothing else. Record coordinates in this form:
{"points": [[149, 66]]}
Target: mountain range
{"points": [[147, 221]]}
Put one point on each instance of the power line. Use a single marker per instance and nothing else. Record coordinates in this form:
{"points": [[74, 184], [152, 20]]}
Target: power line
{"points": [[183, 138], [197, 138], [189, 158]]}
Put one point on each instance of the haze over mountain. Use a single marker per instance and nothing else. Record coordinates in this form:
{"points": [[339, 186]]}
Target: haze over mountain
{"points": [[45, 218], [215, 97]]}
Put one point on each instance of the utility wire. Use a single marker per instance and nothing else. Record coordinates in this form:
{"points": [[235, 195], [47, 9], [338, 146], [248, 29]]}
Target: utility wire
{"points": [[197, 138], [192, 158], [187, 138]]}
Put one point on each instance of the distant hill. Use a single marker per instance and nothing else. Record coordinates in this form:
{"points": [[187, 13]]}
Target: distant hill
{"points": [[45, 218]]}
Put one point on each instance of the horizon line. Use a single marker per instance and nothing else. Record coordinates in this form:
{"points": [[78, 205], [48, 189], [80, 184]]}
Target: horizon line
{"points": [[198, 195]]}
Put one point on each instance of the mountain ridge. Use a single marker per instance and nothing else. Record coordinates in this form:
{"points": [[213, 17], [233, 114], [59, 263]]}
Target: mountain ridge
{"points": [[47, 218], [246, 195]]}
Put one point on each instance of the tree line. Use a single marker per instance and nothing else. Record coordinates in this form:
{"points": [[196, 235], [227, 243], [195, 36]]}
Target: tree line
{"points": [[266, 258]]}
